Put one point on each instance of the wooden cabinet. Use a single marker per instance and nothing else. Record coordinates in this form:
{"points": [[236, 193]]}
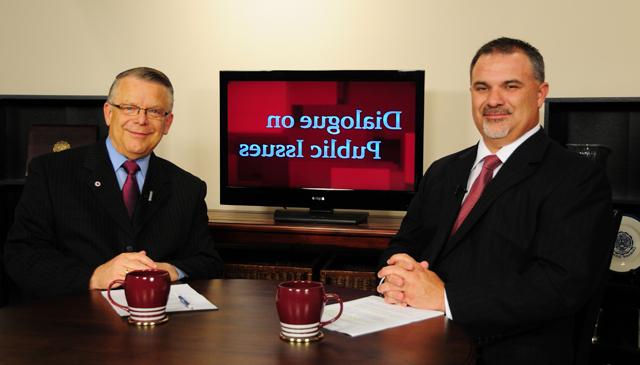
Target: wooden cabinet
{"points": [[259, 228], [613, 123], [31, 125], [254, 246]]}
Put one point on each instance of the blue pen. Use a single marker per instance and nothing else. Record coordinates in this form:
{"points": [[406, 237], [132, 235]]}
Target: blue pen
{"points": [[185, 302]]}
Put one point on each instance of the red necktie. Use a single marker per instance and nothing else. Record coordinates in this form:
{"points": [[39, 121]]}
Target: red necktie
{"points": [[130, 191], [486, 174]]}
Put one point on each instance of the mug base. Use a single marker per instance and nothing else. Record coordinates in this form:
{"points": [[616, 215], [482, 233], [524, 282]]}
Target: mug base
{"points": [[148, 324], [317, 337]]}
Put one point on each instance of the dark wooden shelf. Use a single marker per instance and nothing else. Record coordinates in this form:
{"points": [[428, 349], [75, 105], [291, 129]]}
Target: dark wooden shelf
{"points": [[19, 113], [609, 121], [12, 182], [259, 228]]}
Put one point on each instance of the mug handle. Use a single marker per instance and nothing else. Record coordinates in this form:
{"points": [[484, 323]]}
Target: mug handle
{"points": [[335, 297], [117, 281]]}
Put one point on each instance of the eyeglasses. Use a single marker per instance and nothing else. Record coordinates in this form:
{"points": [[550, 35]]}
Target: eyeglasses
{"points": [[133, 110]]}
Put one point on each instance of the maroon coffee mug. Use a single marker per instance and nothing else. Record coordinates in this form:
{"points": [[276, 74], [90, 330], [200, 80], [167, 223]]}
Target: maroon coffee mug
{"points": [[300, 305], [147, 293]]}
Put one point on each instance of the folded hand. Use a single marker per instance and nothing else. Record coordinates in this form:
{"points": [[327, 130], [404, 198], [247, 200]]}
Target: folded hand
{"points": [[118, 267], [408, 282]]}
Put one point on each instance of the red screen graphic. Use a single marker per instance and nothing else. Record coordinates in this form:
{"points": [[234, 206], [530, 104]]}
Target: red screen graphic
{"points": [[322, 134]]}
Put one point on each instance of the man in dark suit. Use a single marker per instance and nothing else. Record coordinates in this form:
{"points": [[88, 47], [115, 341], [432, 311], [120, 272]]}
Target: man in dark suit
{"points": [[73, 229], [515, 270]]}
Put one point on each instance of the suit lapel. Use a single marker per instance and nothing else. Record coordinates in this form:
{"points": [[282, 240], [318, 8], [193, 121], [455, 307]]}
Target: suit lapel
{"points": [[155, 193], [522, 163], [456, 182], [102, 182]]}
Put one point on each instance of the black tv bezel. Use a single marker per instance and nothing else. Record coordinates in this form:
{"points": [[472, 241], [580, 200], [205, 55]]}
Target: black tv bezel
{"points": [[320, 199]]}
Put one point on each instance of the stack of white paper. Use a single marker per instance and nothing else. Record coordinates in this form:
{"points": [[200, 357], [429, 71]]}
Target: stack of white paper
{"points": [[372, 314]]}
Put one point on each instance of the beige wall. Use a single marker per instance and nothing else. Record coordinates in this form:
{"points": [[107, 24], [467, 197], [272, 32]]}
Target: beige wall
{"points": [[69, 47]]}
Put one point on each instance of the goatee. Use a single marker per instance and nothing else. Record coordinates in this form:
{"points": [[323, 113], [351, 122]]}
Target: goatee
{"points": [[495, 129]]}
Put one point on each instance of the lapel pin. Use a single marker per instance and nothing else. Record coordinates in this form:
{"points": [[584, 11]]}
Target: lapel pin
{"points": [[97, 184]]}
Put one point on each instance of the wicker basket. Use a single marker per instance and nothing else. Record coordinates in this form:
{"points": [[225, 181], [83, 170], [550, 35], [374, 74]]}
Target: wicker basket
{"points": [[340, 270], [267, 272]]}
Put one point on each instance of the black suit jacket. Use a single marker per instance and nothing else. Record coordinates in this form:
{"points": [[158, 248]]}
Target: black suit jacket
{"points": [[71, 219], [524, 261]]}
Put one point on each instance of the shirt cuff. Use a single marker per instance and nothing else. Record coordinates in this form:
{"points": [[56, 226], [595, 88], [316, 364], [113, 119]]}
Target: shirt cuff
{"points": [[447, 310], [181, 274]]}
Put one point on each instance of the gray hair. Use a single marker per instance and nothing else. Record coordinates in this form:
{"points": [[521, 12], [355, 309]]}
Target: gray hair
{"points": [[143, 73]]}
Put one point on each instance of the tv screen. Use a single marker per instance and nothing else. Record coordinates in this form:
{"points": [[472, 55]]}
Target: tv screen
{"points": [[321, 139]]}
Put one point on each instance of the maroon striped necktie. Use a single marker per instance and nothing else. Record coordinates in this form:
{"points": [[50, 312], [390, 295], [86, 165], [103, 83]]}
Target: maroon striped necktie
{"points": [[486, 174], [130, 190]]}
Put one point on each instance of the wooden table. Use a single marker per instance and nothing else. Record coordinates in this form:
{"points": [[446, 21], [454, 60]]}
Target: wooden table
{"points": [[83, 329]]}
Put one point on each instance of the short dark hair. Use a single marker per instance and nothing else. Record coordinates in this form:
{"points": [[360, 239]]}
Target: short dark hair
{"points": [[510, 45], [143, 73]]}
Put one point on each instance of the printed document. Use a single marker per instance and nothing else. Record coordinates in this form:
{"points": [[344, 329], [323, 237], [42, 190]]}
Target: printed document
{"points": [[372, 314], [191, 300]]}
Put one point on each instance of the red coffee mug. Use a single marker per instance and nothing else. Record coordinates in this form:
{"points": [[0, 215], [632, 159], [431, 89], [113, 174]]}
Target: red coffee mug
{"points": [[300, 305], [147, 293]]}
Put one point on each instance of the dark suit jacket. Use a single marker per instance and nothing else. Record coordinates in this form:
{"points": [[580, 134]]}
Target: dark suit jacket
{"points": [[523, 262], [71, 219]]}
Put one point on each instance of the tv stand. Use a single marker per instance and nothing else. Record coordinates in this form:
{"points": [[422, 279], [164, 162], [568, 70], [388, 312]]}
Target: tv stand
{"points": [[254, 246], [320, 216]]}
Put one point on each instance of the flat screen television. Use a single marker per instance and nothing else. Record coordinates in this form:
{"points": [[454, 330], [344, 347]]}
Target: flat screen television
{"points": [[321, 140]]}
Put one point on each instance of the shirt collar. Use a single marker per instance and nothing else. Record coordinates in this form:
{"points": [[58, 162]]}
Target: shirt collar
{"points": [[117, 159], [505, 152]]}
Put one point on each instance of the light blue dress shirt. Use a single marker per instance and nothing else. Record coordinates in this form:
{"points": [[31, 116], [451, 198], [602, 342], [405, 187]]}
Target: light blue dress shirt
{"points": [[121, 174]]}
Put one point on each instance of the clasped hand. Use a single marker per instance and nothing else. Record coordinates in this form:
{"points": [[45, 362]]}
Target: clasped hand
{"points": [[408, 282], [119, 266]]}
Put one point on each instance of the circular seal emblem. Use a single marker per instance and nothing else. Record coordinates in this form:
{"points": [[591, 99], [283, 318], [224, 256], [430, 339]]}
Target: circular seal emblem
{"points": [[61, 146], [624, 245]]}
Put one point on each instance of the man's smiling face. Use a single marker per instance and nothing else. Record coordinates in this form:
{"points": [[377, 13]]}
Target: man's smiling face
{"points": [[136, 136], [505, 97]]}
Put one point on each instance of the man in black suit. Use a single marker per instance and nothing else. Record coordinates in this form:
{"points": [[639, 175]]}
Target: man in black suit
{"points": [[517, 268], [73, 231]]}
